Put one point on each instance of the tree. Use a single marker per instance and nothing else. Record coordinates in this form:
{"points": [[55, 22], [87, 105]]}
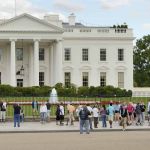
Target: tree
{"points": [[142, 62]]}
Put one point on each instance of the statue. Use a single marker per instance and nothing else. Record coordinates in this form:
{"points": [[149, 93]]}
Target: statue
{"points": [[53, 96]]}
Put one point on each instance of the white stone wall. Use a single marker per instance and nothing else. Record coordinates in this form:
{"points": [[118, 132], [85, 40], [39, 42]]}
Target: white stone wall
{"points": [[94, 66]]}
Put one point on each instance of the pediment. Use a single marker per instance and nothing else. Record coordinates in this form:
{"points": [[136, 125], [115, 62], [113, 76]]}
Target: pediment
{"points": [[26, 22], [67, 68], [103, 68], [121, 68], [85, 68]]}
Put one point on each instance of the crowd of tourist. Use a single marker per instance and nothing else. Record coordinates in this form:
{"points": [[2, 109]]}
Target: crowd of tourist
{"points": [[89, 116], [121, 114]]}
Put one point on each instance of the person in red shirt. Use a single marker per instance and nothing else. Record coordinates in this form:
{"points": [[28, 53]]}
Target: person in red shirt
{"points": [[130, 110]]}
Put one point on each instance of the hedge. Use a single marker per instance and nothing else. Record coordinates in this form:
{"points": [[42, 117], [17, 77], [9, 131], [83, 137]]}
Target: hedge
{"points": [[62, 91]]}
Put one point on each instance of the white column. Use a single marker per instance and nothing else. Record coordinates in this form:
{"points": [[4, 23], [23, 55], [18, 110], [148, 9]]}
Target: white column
{"points": [[52, 65], [58, 62], [36, 63], [13, 63], [31, 71]]}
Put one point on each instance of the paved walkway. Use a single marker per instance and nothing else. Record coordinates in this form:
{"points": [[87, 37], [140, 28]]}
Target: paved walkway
{"points": [[52, 127], [137, 140]]}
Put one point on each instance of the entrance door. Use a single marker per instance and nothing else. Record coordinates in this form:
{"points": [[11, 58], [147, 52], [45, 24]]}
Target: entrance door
{"points": [[19, 82]]}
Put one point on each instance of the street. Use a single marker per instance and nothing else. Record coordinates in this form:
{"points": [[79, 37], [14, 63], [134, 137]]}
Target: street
{"points": [[139, 140]]}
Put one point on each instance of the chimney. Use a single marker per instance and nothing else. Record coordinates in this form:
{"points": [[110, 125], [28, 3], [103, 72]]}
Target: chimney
{"points": [[71, 19], [53, 19]]}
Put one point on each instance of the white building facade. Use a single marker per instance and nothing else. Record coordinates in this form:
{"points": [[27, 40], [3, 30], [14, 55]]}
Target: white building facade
{"points": [[47, 51]]}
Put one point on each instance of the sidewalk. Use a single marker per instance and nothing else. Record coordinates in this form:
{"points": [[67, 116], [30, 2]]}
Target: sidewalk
{"points": [[37, 127]]}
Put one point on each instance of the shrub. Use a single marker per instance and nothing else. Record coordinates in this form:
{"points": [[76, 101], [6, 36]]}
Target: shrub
{"points": [[62, 91]]}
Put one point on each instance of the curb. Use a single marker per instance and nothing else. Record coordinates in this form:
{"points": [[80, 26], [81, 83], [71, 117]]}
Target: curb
{"points": [[70, 131]]}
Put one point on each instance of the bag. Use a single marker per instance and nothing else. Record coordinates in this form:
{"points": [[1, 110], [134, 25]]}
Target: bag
{"points": [[107, 112], [83, 114]]}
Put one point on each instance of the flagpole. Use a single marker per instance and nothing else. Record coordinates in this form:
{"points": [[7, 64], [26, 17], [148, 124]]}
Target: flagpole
{"points": [[15, 8]]}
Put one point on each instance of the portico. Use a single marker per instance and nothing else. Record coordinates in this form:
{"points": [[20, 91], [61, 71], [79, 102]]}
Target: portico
{"points": [[29, 40]]}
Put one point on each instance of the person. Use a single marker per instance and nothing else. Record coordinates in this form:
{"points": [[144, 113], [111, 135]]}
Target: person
{"points": [[95, 116], [43, 112], [124, 114], [110, 111], [21, 115], [103, 114], [148, 110], [70, 110], [34, 108], [143, 108], [117, 113], [84, 119], [17, 109], [90, 116], [1, 103], [138, 114], [48, 105], [62, 113], [78, 110], [130, 109], [57, 114], [3, 106]]}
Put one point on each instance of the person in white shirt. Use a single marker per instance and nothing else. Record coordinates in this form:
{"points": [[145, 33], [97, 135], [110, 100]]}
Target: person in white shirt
{"points": [[61, 114], [43, 112], [95, 116], [3, 106]]}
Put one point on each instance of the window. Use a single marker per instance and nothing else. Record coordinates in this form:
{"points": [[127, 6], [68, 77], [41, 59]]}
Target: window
{"points": [[41, 78], [19, 54], [19, 82], [120, 54], [67, 79], [0, 54], [103, 79], [102, 54], [0, 77], [121, 79], [67, 54], [41, 54], [84, 54], [85, 78]]}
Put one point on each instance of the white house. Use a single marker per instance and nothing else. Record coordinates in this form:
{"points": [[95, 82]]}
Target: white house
{"points": [[46, 51]]}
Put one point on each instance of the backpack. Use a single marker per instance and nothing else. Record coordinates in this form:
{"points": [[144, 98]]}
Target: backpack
{"points": [[138, 109], [84, 114], [149, 110], [107, 112], [143, 108]]}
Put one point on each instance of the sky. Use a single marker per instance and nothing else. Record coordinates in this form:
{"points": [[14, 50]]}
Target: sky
{"points": [[136, 13]]}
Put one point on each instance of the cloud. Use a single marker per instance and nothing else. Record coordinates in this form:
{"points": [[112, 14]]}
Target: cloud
{"points": [[146, 26], [68, 5], [112, 4], [7, 8]]}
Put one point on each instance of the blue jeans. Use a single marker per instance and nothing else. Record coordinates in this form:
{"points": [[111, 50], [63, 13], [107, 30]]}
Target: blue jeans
{"points": [[103, 117], [84, 124], [17, 120], [43, 116]]}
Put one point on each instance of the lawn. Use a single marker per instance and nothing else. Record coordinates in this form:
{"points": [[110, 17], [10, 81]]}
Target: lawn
{"points": [[28, 109]]}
